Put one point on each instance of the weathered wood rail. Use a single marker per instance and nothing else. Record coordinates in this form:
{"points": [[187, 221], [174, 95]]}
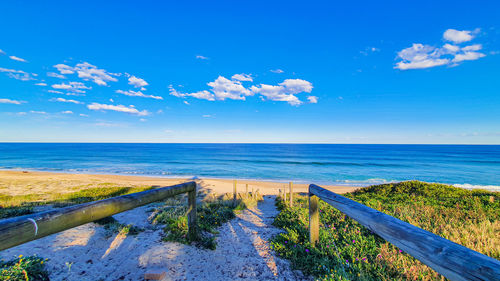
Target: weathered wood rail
{"points": [[19, 230], [451, 260]]}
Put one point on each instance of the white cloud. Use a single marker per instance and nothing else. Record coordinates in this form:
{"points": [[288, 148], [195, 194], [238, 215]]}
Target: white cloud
{"points": [[175, 93], [56, 75], [64, 69], [420, 56], [276, 93], [83, 115], [475, 47], [458, 36], [2, 52], [201, 57], [204, 95], [76, 87], [119, 108], [224, 88], [451, 48], [276, 70], [295, 86], [88, 72], [137, 82], [11, 101], [186, 102], [207, 116], [312, 99], [41, 84], [285, 91], [467, 56], [137, 94], [55, 92], [38, 112], [242, 77], [67, 112], [17, 59], [65, 100], [18, 74]]}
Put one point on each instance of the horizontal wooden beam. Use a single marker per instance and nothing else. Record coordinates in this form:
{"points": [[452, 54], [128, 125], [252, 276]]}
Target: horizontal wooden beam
{"points": [[19, 230], [451, 260]]}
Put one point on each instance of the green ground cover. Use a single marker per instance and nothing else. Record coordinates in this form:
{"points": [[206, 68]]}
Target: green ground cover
{"points": [[348, 251]]}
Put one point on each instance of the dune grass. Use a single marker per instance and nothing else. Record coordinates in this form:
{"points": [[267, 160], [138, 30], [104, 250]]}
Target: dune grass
{"points": [[11, 206], [212, 212], [348, 251]]}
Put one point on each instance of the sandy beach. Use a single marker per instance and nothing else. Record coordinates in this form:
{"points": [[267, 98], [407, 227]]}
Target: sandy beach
{"points": [[21, 183]]}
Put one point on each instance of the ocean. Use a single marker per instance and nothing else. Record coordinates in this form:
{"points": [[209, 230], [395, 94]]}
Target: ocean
{"points": [[468, 166]]}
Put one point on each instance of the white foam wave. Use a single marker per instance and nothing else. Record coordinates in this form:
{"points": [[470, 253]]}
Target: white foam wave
{"points": [[476, 186]]}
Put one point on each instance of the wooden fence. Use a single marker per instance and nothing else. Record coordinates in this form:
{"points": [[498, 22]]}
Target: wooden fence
{"points": [[19, 230], [451, 260]]}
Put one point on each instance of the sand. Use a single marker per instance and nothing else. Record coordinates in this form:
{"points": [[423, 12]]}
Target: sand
{"points": [[20, 183], [88, 252]]}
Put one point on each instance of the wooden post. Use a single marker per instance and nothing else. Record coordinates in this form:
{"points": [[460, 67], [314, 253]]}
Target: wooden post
{"points": [[246, 190], [253, 193], [234, 192], [290, 185], [284, 196], [191, 214], [313, 219]]}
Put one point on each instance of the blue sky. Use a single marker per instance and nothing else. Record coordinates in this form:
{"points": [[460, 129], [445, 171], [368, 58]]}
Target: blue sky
{"points": [[299, 72]]}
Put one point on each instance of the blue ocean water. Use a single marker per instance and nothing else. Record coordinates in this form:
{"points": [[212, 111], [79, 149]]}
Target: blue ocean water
{"points": [[346, 164]]}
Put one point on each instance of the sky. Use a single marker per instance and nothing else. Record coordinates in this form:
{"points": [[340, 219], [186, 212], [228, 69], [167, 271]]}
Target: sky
{"points": [[250, 71]]}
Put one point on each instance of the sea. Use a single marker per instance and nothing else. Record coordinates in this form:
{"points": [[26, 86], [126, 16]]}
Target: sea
{"points": [[466, 166]]}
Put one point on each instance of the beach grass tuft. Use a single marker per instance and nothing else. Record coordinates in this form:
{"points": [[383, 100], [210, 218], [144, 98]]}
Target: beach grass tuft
{"points": [[211, 214], [24, 269], [348, 251]]}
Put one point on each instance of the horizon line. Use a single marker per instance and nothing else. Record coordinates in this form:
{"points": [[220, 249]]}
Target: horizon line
{"points": [[307, 143]]}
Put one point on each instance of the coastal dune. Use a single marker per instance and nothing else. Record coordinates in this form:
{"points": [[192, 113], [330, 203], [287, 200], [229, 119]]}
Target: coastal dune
{"points": [[89, 252]]}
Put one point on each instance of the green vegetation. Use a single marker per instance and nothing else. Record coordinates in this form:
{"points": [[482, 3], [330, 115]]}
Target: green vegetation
{"points": [[24, 268], [348, 251], [112, 226], [211, 214], [11, 206]]}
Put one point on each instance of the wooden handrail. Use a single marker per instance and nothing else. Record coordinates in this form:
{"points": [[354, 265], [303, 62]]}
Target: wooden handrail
{"points": [[451, 260], [19, 230]]}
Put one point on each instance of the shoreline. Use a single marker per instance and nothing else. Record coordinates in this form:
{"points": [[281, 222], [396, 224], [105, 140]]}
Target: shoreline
{"points": [[301, 184], [22, 182], [354, 183]]}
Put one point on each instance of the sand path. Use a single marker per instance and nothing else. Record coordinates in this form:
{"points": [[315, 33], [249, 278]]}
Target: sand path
{"points": [[86, 253]]}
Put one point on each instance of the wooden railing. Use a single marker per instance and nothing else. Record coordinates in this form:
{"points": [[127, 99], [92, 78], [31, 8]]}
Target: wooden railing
{"points": [[19, 230], [451, 260]]}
